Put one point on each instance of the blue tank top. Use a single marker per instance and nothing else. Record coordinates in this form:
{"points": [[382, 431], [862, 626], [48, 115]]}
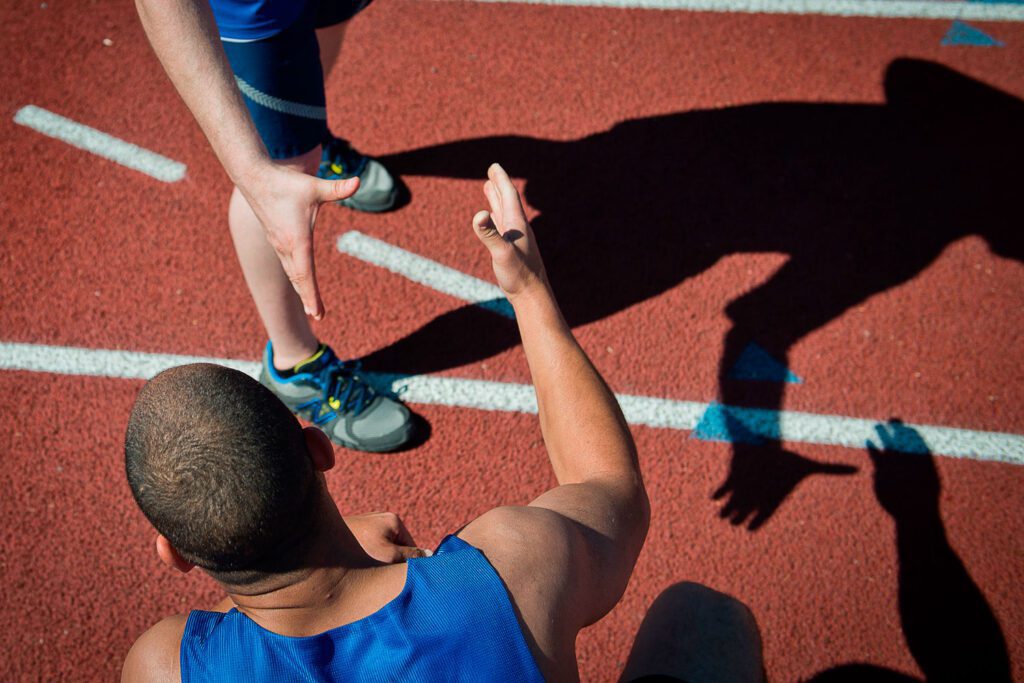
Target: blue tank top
{"points": [[453, 621], [246, 20]]}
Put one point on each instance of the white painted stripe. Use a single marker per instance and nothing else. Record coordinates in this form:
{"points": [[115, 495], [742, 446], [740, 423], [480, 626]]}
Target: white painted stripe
{"points": [[886, 9], [426, 272], [99, 143], [499, 396], [70, 360]]}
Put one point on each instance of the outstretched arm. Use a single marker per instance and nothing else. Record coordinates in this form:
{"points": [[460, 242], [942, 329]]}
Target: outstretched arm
{"points": [[184, 38], [465, 158], [566, 557]]}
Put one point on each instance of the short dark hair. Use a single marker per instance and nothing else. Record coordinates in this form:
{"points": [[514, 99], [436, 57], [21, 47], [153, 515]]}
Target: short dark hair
{"points": [[220, 467]]}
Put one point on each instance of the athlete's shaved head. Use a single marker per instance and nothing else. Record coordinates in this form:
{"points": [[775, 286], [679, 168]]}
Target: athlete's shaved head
{"points": [[219, 466]]}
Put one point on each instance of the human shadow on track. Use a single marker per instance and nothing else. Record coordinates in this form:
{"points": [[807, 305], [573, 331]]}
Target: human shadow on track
{"points": [[949, 626], [693, 633], [861, 197]]}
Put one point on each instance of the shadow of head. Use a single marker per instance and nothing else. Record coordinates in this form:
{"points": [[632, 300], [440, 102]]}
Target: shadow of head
{"points": [[694, 633]]}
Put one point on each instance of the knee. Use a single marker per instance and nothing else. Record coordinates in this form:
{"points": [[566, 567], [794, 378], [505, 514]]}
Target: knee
{"points": [[306, 163]]}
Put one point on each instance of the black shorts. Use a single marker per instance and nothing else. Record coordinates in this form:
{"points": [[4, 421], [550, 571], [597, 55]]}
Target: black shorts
{"points": [[282, 82]]}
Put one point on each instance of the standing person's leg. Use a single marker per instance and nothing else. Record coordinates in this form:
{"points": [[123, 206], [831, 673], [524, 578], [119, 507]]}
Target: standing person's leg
{"points": [[279, 306], [330, 38], [283, 88], [282, 81], [378, 190]]}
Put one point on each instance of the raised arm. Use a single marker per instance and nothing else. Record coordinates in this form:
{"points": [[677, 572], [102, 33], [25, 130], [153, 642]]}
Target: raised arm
{"points": [[566, 558], [184, 37]]}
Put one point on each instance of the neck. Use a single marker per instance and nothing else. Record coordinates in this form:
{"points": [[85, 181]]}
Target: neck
{"points": [[297, 602]]}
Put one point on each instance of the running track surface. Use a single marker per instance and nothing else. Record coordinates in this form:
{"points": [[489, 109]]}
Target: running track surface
{"points": [[770, 178]]}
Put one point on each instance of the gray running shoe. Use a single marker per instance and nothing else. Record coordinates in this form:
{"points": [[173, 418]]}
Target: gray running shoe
{"points": [[377, 189], [327, 392]]}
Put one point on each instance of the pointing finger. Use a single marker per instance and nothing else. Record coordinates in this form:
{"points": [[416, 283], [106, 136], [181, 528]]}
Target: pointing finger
{"points": [[506, 190], [303, 278]]}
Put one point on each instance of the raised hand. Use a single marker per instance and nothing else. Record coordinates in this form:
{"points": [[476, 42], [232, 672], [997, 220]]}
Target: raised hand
{"points": [[508, 237], [286, 202]]}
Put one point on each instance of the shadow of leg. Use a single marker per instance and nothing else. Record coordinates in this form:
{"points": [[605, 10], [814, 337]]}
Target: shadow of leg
{"points": [[692, 633]]}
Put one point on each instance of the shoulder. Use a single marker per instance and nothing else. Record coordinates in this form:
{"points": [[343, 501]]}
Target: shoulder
{"points": [[155, 655], [517, 535], [534, 553]]}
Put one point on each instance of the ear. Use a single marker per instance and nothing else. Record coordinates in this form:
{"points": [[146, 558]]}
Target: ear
{"points": [[169, 556], [321, 450]]}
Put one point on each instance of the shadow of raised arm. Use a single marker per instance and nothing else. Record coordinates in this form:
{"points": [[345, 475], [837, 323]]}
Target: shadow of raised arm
{"points": [[949, 626], [470, 158]]}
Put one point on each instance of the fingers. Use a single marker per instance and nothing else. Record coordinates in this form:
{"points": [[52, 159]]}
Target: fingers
{"points": [[494, 199], [335, 190], [302, 274], [506, 190], [401, 535], [409, 552], [485, 229]]}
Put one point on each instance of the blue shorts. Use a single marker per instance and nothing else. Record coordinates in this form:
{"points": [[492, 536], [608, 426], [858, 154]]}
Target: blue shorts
{"points": [[282, 82]]}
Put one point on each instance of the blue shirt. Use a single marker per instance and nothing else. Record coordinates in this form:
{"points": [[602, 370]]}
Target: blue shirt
{"points": [[246, 20], [453, 621]]}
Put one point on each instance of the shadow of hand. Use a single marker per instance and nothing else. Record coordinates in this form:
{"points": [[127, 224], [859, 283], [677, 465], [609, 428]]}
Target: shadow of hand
{"points": [[761, 477], [905, 486]]}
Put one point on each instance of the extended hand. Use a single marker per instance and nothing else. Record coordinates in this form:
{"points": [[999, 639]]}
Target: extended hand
{"points": [[286, 202], [906, 482], [384, 537], [761, 477], [508, 237]]}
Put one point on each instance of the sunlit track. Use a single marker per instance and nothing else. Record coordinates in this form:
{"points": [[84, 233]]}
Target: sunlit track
{"points": [[879, 9], [99, 143], [425, 272], [650, 411]]}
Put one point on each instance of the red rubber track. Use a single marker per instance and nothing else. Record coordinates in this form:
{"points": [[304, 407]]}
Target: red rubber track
{"points": [[96, 255]]}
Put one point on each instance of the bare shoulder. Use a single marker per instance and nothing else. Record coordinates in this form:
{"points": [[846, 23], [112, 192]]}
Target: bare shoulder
{"points": [[155, 655], [517, 538], [532, 549]]}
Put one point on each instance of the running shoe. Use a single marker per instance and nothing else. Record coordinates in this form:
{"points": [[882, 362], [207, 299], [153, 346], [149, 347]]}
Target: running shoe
{"points": [[377, 189], [329, 393]]}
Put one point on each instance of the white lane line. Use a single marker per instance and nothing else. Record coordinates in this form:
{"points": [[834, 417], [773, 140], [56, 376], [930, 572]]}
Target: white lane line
{"points": [[99, 143], [834, 430], [426, 272], [884, 9]]}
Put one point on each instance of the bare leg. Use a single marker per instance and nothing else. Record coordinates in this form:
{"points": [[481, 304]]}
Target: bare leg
{"points": [[329, 39], [279, 306]]}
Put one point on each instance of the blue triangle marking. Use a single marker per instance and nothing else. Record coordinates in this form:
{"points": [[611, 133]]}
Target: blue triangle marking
{"points": [[719, 424], [965, 34], [755, 364]]}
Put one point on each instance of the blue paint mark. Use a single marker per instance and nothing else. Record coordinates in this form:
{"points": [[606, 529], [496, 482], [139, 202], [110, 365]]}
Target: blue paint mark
{"points": [[501, 306], [964, 34], [755, 364], [720, 424]]}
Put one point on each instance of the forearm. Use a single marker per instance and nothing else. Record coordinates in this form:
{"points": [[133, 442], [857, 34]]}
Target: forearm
{"points": [[583, 427], [184, 37]]}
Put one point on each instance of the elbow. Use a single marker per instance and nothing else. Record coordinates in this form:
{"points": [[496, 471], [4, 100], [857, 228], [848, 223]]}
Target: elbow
{"points": [[644, 513]]}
